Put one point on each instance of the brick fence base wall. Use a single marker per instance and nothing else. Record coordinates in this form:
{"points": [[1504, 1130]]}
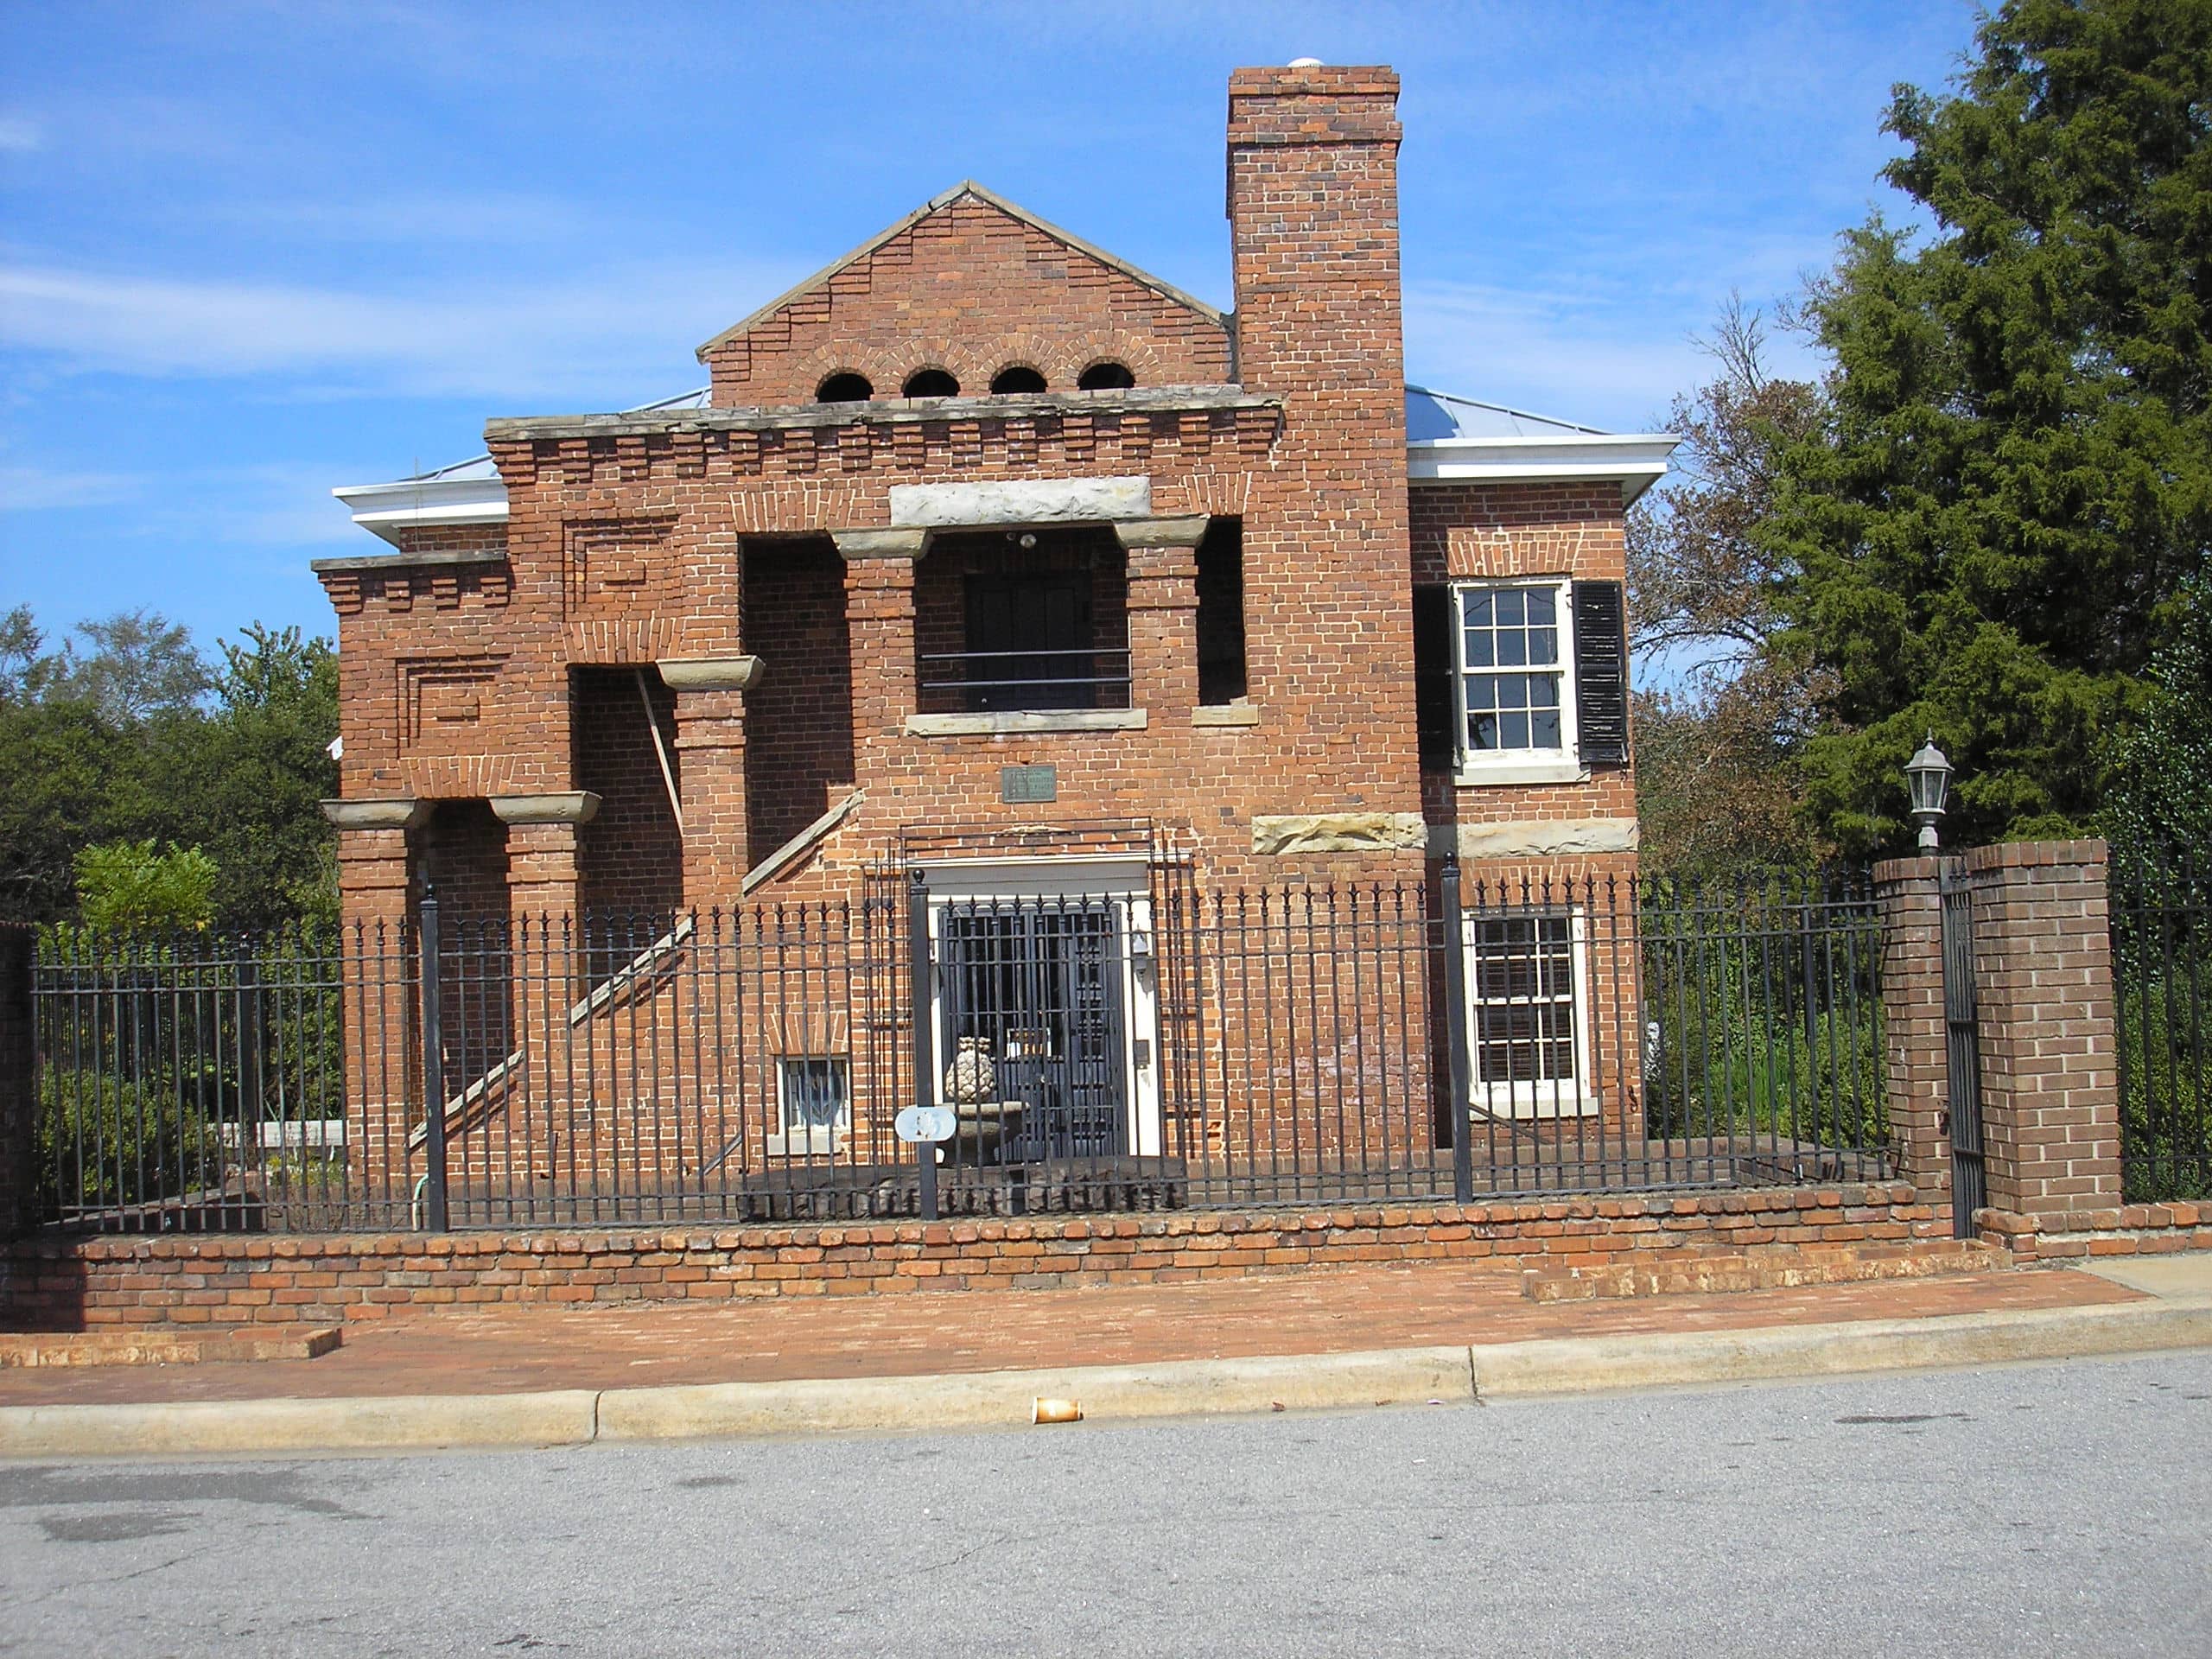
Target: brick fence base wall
{"points": [[65, 1283], [2132, 1230]]}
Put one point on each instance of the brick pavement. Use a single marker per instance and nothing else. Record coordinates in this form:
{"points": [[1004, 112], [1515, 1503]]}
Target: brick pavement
{"points": [[504, 1349]]}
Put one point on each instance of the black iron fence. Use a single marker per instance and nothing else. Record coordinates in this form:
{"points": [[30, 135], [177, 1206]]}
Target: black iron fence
{"points": [[2161, 914], [1137, 1046]]}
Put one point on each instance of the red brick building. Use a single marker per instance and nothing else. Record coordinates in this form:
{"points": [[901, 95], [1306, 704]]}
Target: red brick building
{"points": [[987, 555]]}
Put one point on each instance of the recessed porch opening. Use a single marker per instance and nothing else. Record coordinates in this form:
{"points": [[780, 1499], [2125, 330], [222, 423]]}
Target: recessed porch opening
{"points": [[1022, 620]]}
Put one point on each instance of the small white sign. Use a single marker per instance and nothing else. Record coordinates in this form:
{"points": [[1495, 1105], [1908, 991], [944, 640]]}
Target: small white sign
{"points": [[918, 1124]]}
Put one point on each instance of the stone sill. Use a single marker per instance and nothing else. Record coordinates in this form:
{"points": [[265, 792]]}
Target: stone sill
{"points": [[1025, 721], [1226, 713], [1526, 771], [1541, 1110]]}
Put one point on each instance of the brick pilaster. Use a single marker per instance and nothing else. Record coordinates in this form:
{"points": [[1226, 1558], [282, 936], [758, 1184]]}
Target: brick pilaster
{"points": [[381, 1039], [2050, 1062], [1917, 1061], [879, 616], [543, 833], [710, 745], [1163, 607]]}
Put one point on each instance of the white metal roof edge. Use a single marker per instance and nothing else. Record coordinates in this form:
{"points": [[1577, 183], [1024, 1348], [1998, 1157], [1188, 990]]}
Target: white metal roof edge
{"points": [[384, 508], [1637, 461]]}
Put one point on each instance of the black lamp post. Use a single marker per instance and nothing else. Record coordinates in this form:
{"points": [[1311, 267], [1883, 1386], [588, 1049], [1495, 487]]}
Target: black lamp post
{"points": [[1928, 780]]}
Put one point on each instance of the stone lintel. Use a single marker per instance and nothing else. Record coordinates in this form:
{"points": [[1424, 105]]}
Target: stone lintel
{"points": [[1162, 532], [406, 812], [1018, 721], [1339, 832], [567, 806], [710, 673], [1534, 837], [1022, 501], [903, 543]]}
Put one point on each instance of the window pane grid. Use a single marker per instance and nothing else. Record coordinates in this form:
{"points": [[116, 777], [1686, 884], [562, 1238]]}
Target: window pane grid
{"points": [[1509, 668], [1523, 991]]}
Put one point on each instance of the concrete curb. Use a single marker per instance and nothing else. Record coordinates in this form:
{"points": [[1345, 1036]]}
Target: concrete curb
{"points": [[359, 1423], [1106, 1393], [979, 1398]]}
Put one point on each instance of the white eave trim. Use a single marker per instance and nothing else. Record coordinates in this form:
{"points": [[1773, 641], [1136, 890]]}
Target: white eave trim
{"points": [[1637, 462], [385, 509]]}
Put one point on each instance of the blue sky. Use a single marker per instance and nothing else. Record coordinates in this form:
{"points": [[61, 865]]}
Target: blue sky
{"points": [[249, 252]]}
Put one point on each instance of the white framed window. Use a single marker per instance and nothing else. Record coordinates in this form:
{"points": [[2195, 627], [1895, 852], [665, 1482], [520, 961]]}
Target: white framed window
{"points": [[1513, 682], [1527, 1014], [814, 1104]]}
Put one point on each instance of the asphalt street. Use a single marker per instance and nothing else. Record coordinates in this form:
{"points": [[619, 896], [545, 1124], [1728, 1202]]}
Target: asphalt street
{"points": [[2059, 1510]]}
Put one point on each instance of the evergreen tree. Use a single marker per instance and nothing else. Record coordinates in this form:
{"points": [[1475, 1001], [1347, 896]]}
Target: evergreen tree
{"points": [[1989, 535], [2161, 802]]}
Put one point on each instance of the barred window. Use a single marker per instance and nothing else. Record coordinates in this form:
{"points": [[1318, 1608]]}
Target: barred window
{"points": [[816, 1095]]}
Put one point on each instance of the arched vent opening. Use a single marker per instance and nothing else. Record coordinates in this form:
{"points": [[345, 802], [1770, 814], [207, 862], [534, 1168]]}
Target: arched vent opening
{"points": [[844, 388], [931, 383], [1017, 380], [1108, 376]]}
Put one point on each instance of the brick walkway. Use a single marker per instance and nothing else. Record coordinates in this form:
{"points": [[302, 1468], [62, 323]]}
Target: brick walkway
{"points": [[509, 1348]]}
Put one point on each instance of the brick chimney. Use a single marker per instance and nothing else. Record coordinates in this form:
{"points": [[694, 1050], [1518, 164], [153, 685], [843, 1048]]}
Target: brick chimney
{"points": [[1313, 229]]}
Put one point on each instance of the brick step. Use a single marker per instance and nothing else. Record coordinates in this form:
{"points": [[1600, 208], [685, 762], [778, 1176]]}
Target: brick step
{"points": [[1696, 1272], [158, 1347]]}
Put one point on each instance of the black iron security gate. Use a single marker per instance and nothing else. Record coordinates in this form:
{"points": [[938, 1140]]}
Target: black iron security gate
{"points": [[1033, 1028], [1970, 1180]]}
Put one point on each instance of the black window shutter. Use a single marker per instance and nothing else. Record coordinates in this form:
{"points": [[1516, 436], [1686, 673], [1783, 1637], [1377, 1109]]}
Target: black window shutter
{"points": [[1600, 674], [1433, 699]]}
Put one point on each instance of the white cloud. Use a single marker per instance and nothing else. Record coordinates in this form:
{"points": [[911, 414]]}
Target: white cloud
{"points": [[613, 335], [37, 489], [19, 133]]}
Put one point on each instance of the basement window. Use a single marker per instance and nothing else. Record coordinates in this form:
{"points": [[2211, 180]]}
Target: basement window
{"points": [[1526, 997], [844, 387], [1017, 380], [815, 1100], [931, 383], [1108, 376]]}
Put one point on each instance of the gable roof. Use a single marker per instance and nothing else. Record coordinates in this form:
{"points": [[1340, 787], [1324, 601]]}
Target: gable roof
{"points": [[969, 190]]}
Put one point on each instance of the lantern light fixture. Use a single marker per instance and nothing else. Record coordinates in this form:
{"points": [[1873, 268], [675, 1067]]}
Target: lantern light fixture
{"points": [[1927, 781]]}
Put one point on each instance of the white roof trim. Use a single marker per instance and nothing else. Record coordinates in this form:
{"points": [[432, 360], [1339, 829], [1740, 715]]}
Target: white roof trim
{"points": [[385, 508], [1637, 460]]}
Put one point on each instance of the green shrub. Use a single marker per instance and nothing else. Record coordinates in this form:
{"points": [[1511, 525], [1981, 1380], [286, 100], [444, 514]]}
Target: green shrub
{"points": [[106, 1140]]}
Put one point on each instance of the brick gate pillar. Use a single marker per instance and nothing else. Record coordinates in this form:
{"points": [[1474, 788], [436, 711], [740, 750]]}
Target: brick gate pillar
{"points": [[1163, 609], [2050, 1060], [711, 774], [383, 1048], [542, 836], [1916, 1057], [880, 615]]}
